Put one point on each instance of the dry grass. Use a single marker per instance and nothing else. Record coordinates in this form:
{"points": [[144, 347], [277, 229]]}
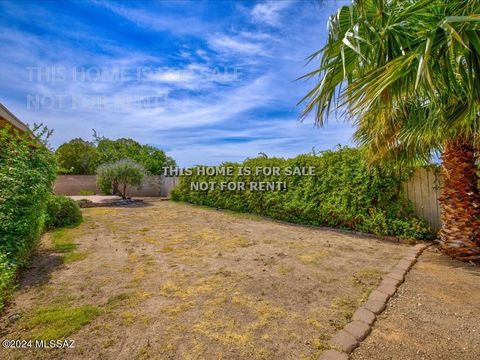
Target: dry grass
{"points": [[178, 281]]}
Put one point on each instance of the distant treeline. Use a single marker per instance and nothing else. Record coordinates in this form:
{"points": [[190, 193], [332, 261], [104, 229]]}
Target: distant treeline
{"points": [[82, 157]]}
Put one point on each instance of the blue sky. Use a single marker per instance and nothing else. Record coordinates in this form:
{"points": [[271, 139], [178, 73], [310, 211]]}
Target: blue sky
{"points": [[207, 81]]}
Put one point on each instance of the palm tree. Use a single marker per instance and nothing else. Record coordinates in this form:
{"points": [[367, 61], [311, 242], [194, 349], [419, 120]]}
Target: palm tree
{"points": [[407, 73]]}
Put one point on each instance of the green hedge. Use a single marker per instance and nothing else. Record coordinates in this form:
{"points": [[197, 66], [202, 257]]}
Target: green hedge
{"points": [[27, 172], [345, 192], [62, 211]]}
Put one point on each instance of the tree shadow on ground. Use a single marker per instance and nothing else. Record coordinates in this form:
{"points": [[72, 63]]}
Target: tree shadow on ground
{"points": [[444, 260], [43, 263], [138, 204]]}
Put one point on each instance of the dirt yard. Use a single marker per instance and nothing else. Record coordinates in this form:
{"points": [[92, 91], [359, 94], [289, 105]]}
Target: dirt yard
{"points": [[174, 281], [434, 316]]}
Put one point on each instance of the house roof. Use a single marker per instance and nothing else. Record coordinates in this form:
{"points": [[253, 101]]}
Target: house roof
{"points": [[6, 117]]}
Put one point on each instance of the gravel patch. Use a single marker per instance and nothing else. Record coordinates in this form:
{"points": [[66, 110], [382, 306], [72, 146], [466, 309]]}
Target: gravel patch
{"points": [[433, 316]]}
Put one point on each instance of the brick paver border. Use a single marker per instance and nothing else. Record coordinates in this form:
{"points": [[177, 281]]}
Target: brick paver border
{"points": [[347, 339]]}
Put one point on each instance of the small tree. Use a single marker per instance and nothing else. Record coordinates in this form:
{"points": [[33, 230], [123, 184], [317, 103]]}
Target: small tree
{"points": [[105, 179], [115, 178]]}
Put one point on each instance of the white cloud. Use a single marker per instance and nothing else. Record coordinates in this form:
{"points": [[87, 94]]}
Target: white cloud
{"points": [[213, 146], [226, 43], [195, 77], [269, 12], [134, 120], [173, 76], [215, 108], [162, 22]]}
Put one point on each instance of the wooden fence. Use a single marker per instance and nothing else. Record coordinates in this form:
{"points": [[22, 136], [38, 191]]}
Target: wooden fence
{"points": [[168, 184], [423, 189]]}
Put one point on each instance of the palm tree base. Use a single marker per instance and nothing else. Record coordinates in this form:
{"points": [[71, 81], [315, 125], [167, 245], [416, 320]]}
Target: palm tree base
{"points": [[460, 202]]}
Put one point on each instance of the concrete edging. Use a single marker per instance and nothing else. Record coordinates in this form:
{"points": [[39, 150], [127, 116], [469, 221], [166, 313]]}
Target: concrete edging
{"points": [[350, 337]]}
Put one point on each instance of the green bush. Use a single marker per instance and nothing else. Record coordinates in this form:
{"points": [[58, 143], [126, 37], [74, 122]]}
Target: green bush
{"points": [[27, 172], [345, 192], [62, 211], [7, 275]]}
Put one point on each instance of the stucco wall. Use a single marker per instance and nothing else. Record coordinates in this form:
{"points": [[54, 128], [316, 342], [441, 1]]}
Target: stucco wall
{"points": [[73, 184], [151, 185]]}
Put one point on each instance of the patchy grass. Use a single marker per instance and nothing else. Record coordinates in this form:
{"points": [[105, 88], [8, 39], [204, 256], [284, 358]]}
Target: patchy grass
{"points": [[313, 258], [117, 299], [128, 317], [344, 307], [177, 309], [58, 322], [74, 256], [367, 279], [166, 249], [318, 344], [62, 240], [285, 269], [223, 328], [230, 287]]}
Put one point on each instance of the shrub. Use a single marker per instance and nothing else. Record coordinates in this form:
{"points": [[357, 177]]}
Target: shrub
{"points": [[27, 172], [62, 211], [7, 275], [118, 176], [345, 192]]}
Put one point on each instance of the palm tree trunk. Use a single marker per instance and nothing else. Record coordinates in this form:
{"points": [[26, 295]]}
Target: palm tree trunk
{"points": [[460, 201]]}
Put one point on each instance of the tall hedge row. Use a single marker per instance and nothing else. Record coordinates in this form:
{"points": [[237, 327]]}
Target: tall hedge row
{"points": [[27, 172], [345, 192]]}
